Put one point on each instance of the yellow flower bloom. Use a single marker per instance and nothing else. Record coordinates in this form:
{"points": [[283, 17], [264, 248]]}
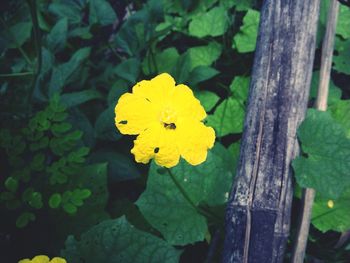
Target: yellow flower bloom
{"points": [[168, 121], [43, 259]]}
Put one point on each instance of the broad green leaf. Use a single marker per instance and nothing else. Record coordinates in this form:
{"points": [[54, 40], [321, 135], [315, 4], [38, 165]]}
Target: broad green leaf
{"points": [[201, 73], [81, 122], [240, 88], [101, 12], [62, 72], [208, 99], [166, 209], [340, 112], [72, 10], [105, 128], [234, 150], [343, 23], [342, 58], [227, 118], [120, 167], [165, 61], [76, 98], [213, 23], [245, 40], [57, 37], [118, 241], [128, 69], [336, 218], [327, 162], [334, 92], [204, 55], [18, 34], [182, 69]]}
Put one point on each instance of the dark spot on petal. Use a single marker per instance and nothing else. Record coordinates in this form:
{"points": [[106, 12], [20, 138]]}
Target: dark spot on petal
{"points": [[123, 122], [170, 126], [156, 150], [148, 99]]}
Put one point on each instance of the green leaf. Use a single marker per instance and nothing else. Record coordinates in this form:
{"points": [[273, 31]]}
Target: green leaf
{"points": [[208, 99], [240, 88], [334, 92], [213, 23], [61, 73], [228, 117], [340, 112], [166, 209], [128, 69], [76, 98], [201, 73], [341, 59], [165, 61], [59, 128], [55, 200], [57, 37], [24, 219], [118, 241], [18, 34], [93, 211], [343, 23], [204, 55], [120, 167], [182, 69], [326, 167], [72, 10], [69, 208], [101, 12], [119, 87], [105, 128], [245, 40], [11, 184], [336, 218], [37, 163], [35, 200]]}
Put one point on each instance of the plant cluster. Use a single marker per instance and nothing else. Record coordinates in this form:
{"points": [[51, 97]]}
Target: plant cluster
{"points": [[64, 66]]}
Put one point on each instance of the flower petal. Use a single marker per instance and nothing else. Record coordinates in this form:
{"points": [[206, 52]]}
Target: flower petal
{"points": [[41, 259], [156, 90], [25, 260], [186, 103], [58, 260], [194, 139], [134, 114], [159, 143]]}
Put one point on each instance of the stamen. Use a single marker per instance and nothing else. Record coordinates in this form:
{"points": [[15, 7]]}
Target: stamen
{"points": [[171, 126]]}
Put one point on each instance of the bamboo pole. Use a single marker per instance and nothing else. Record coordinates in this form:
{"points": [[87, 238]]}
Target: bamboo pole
{"points": [[320, 104], [258, 210]]}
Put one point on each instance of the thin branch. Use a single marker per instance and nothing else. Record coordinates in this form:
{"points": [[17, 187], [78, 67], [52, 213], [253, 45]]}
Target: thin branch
{"points": [[321, 104]]}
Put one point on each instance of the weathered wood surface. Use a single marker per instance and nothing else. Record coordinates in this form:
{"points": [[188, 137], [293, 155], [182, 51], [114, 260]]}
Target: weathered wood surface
{"points": [[258, 211]]}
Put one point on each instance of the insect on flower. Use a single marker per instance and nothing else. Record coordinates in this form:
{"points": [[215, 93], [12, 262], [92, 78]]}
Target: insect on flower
{"points": [[168, 121]]}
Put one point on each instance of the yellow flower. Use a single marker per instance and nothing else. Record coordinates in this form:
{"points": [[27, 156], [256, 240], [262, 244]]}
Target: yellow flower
{"points": [[43, 259], [168, 121]]}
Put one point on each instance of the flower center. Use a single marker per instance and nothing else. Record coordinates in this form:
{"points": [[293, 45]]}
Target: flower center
{"points": [[168, 118]]}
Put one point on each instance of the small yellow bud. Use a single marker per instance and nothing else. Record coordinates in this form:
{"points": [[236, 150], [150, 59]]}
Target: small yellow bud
{"points": [[330, 203]]}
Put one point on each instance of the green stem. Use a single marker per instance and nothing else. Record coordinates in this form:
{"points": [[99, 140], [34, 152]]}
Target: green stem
{"points": [[202, 211], [183, 192], [17, 74]]}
